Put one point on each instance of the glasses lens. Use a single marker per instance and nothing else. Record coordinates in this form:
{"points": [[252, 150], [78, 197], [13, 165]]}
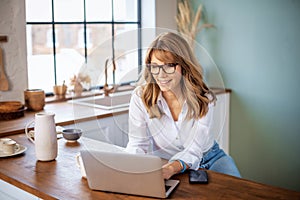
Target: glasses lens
{"points": [[154, 69], [169, 68]]}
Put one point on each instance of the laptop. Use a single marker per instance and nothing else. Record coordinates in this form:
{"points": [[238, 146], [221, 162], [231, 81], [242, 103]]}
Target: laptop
{"points": [[126, 173]]}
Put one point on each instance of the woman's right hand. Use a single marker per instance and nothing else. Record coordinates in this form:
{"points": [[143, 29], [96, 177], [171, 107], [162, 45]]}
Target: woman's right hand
{"points": [[171, 168]]}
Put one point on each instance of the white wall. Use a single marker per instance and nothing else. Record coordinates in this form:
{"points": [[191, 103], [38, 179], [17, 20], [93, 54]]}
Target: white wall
{"points": [[12, 25], [166, 12], [157, 16]]}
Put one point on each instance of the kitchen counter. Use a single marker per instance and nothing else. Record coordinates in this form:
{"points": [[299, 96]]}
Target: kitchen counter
{"points": [[61, 178]]}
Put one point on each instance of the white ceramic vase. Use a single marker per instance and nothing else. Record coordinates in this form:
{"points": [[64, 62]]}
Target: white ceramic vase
{"points": [[45, 136]]}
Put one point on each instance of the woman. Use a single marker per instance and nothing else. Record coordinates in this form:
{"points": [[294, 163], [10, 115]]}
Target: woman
{"points": [[170, 114]]}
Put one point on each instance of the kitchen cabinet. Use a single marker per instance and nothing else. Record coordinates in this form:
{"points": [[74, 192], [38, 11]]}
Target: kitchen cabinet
{"points": [[113, 129], [221, 121]]}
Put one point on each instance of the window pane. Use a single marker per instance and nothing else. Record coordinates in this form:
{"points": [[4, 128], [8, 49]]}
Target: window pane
{"points": [[125, 10], [38, 10], [40, 57], [68, 10], [98, 10], [126, 53], [69, 51], [100, 38]]}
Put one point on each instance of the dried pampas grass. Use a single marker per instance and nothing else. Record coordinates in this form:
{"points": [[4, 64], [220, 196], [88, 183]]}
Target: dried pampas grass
{"points": [[188, 21]]}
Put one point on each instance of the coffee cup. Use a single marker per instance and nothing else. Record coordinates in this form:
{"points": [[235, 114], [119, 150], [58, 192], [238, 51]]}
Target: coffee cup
{"points": [[9, 147], [2, 141], [34, 99], [80, 165]]}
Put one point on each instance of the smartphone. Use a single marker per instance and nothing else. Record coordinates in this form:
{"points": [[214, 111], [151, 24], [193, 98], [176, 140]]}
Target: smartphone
{"points": [[198, 176]]}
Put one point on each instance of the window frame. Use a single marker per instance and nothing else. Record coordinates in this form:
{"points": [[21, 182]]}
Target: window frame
{"points": [[113, 23]]}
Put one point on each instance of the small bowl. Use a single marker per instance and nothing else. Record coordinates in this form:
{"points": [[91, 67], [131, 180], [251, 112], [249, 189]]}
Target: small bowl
{"points": [[72, 135]]}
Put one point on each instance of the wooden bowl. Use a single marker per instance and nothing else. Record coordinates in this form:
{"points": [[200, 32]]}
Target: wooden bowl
{"points": [[10, 106], [11, 110]]}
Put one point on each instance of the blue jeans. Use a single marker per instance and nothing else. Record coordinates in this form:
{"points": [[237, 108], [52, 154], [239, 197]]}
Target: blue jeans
{"points": [[216, 159]]}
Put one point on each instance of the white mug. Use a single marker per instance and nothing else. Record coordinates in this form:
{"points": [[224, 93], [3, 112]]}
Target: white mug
{"points": [[10, 147], [45, 136], [2, 141], [80, 165]]}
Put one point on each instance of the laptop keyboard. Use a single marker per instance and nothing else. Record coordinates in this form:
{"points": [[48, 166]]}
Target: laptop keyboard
{"points": [[167, 187]]}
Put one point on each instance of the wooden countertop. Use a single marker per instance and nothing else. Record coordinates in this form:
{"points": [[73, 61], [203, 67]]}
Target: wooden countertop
{"points": [[61, 179]]}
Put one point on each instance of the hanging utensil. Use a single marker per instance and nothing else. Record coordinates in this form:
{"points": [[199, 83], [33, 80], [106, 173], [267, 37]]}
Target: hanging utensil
{"points": [[3, 78]]}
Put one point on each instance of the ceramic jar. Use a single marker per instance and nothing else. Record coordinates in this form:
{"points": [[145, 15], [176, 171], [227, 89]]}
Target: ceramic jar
{"points": [[34, 99]]}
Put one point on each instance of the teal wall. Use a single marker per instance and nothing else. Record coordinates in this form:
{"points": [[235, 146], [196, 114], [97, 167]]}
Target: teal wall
{"points": [[256, 46]]}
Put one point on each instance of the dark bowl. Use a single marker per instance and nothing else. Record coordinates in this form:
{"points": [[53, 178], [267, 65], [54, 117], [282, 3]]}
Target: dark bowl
{"points": [[72, 134]]}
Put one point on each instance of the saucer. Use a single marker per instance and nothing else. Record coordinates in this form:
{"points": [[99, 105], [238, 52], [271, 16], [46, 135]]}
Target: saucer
{"points": [[20, 149]]}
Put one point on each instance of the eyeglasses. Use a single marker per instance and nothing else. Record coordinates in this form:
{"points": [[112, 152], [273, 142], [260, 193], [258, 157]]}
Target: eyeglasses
{"points": [[168, 68]]}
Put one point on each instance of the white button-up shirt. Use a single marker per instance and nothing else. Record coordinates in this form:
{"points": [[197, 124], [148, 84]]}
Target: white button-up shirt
{"points": [[186, 140]]}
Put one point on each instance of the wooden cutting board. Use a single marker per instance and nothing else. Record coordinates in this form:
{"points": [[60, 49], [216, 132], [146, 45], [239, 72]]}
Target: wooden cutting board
{"points": [[3, 78]]}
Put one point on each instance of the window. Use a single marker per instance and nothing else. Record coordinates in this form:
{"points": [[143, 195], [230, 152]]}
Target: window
{"points": [[72, 37]]}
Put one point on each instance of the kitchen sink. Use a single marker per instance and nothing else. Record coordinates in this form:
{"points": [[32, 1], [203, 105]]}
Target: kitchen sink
{"points": [[113, 101]]}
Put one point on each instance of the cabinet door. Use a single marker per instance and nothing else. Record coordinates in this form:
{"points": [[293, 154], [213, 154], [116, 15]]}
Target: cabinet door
{"points": [[117, 127], [120, 129], [221, 121], [92, 129]]}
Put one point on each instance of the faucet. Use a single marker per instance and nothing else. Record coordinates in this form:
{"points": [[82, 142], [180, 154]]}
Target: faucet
{"points": [[106, 88]]}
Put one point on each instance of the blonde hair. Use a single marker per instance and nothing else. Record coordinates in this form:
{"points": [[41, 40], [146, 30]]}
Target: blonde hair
{"points": [[172, 48]]}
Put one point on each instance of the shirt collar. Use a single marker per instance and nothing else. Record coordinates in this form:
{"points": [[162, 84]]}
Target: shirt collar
{"points": [[162, 104]]}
